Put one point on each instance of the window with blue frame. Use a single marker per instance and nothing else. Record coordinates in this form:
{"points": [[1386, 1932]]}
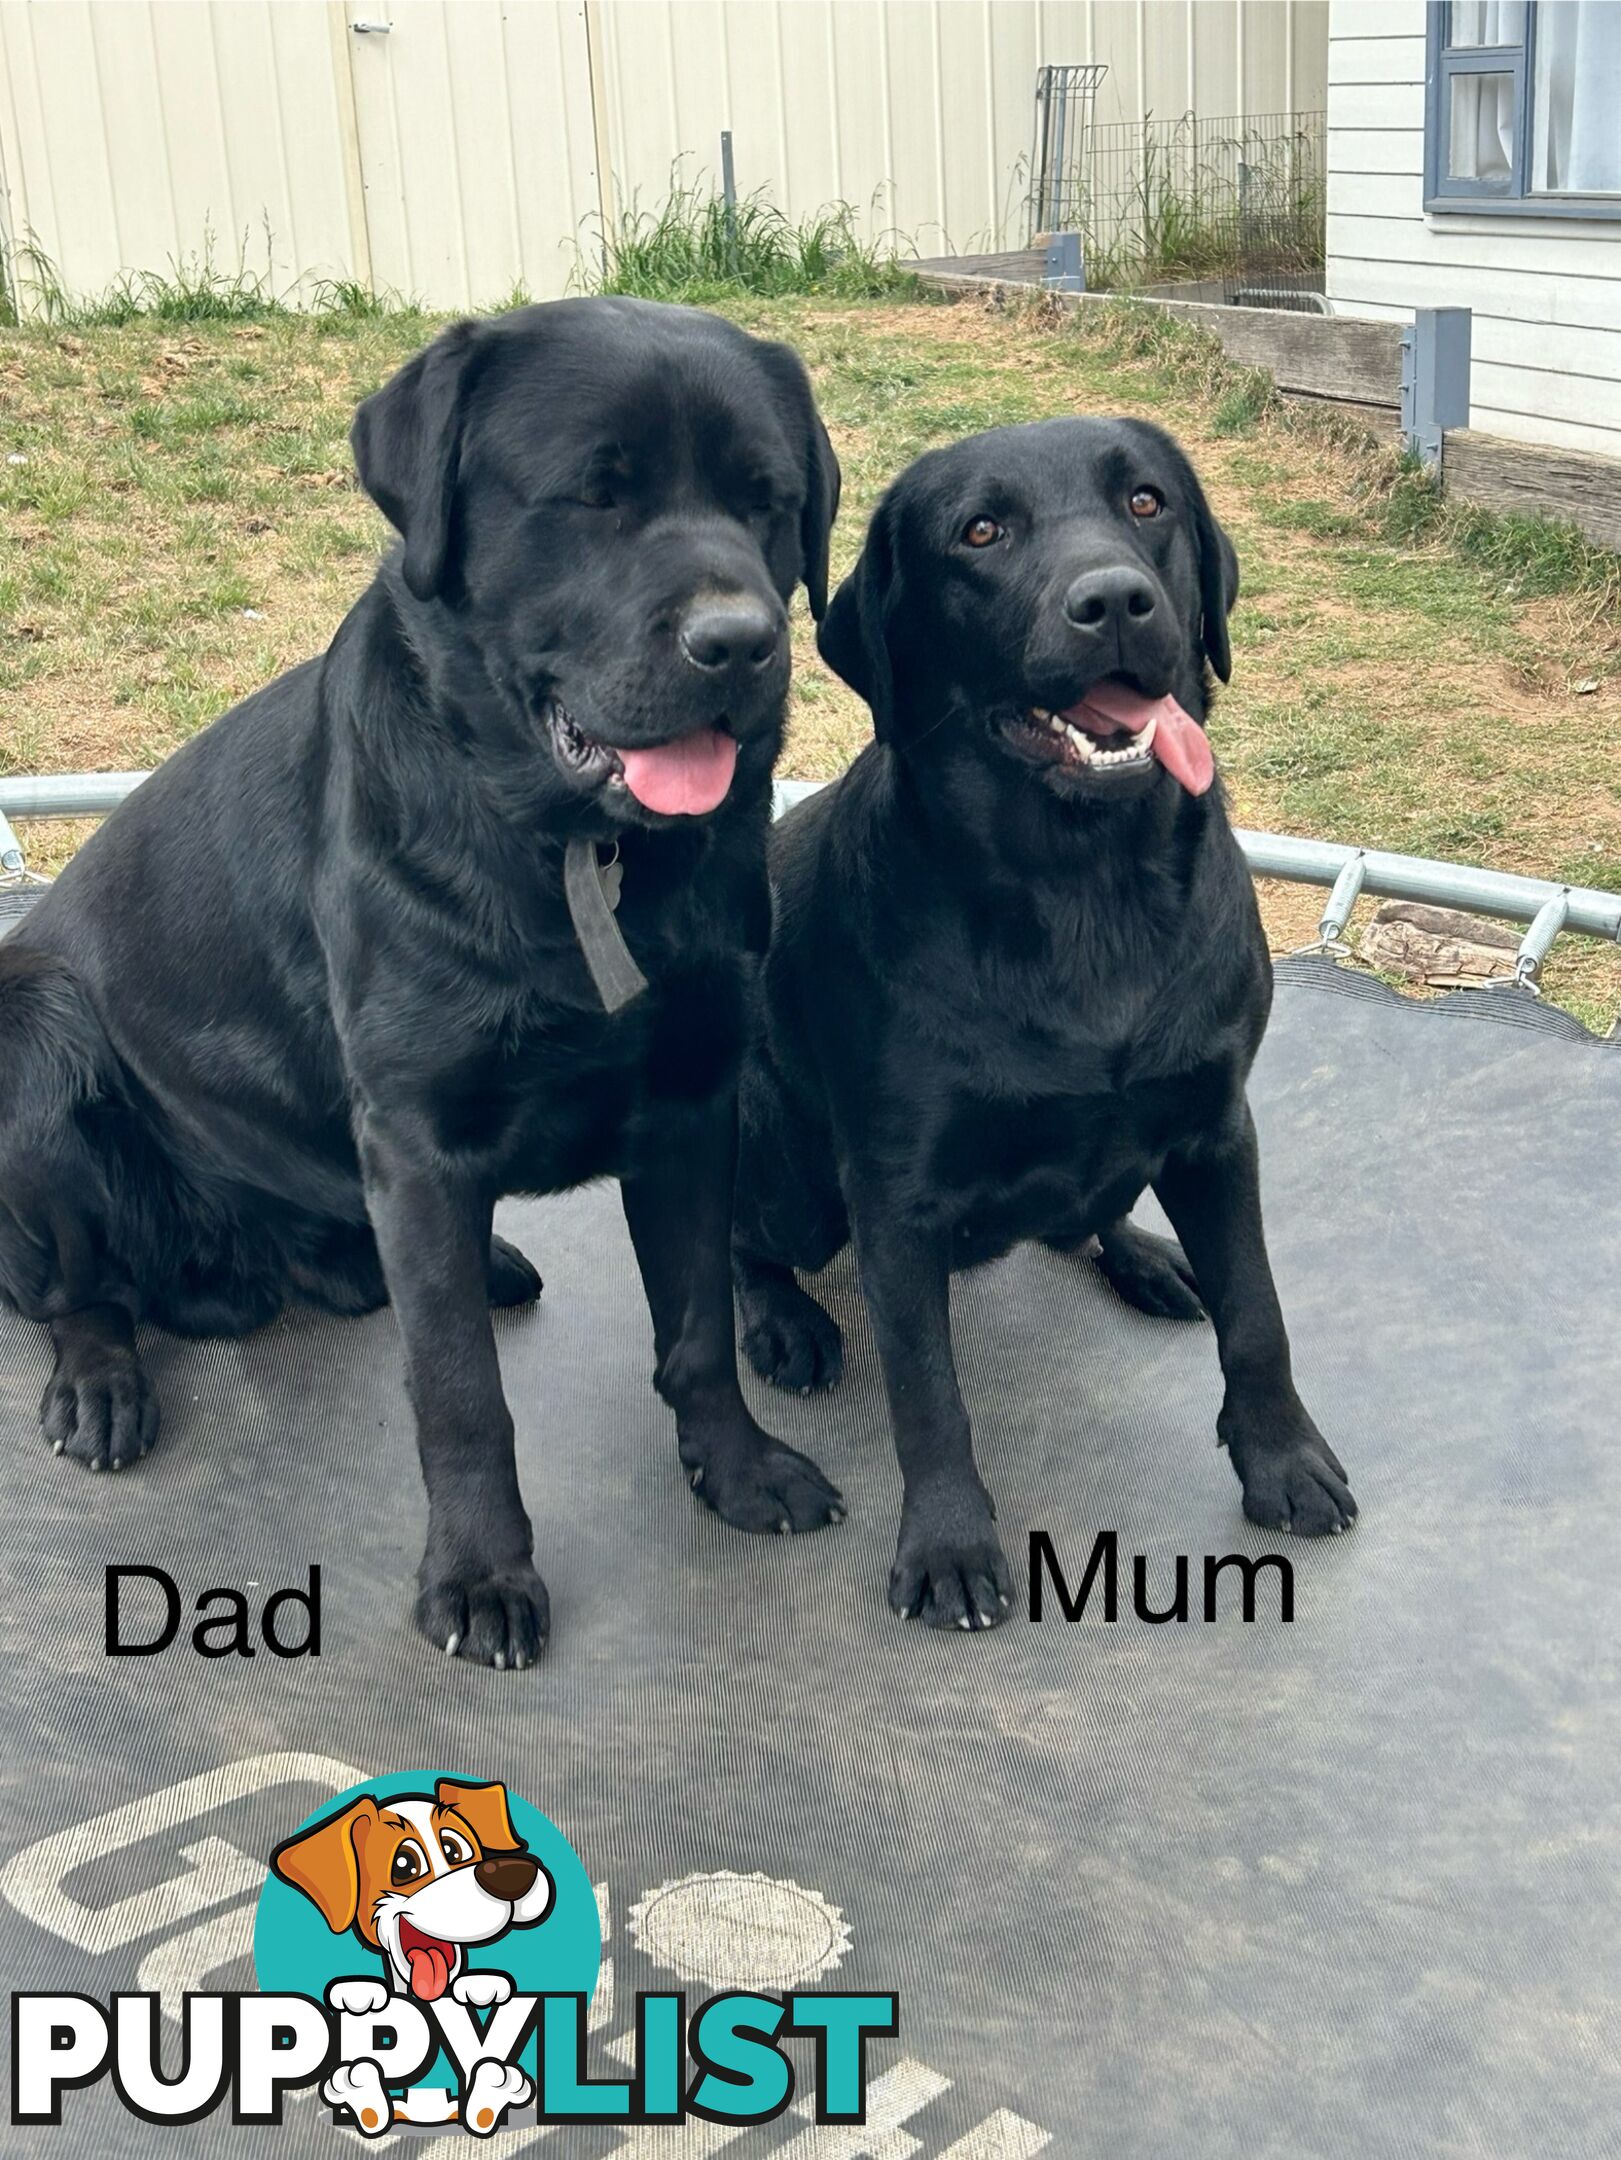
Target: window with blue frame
{"points": [[1523, 107]]}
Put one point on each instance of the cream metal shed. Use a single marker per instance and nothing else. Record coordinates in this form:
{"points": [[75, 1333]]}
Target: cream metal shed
{"points": [[453, 150]]}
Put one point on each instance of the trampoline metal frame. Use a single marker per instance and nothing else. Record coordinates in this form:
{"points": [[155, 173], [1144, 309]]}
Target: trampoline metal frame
{"points": [[1546, 907]]}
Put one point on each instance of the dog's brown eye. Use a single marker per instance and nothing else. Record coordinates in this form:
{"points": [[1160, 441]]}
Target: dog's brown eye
{"points": [[455, 1849], [410, 1864], [981, 531], [1146, 502]]}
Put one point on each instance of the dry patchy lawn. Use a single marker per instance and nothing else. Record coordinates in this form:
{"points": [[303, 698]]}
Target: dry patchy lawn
{"points": [[179, 523]]}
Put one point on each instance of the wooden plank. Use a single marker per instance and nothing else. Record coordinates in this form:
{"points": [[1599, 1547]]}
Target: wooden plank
{"points": [[1533, 480], [1375, 60], [1381, 422], [1334, 356], [1331, 356], [1017, 266]]}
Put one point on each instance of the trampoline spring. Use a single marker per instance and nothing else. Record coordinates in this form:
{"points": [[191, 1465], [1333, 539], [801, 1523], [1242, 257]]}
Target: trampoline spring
{"points": [[1546, 925], [12, 865], [1341, 900]]}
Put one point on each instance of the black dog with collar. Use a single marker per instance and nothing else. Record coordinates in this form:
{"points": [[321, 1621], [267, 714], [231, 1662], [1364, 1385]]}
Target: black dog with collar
{"points": [[1017, 975], [314, 999]]}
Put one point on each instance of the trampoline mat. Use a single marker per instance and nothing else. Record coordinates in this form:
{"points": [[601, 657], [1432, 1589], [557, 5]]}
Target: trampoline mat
{"points": [[1344, 1885]]}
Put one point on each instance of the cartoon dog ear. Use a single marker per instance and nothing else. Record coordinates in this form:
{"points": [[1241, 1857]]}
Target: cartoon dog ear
{"points": [[484, 1809], [325, 1863], [407, 444], [823, 479], [854, 636]]}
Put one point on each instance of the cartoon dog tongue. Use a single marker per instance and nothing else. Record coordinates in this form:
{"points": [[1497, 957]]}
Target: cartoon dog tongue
{"points": [[430, 1965], [682, 778], [1179, 744]]}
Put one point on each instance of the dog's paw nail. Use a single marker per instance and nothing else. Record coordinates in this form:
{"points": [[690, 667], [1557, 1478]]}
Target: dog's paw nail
{"points": [[59, 1447], [1006, 1603], [836, 1514], [965, 1622], [696, 1479], [784, 1527], [500, 1661], [453, 1645]]}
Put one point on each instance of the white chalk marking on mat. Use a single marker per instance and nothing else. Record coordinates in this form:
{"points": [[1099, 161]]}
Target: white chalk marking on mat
{"points": [[1002, 2136], [740, 1931], [892, 2099]]}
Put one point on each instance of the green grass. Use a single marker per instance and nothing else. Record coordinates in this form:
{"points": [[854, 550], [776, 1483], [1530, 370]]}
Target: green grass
{"points": [[696, 247], [186, 524]]}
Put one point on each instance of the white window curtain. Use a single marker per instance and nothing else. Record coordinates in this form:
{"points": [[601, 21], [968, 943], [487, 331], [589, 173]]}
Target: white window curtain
{"points": [[1482, 120], [1577, 134]]}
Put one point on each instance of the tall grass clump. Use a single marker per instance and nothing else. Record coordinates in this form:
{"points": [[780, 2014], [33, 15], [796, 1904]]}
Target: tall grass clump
{"points": [[695, 246], [193, 289]]}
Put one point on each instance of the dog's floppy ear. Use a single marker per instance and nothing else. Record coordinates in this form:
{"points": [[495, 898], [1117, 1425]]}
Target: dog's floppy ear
{"points": [[1218, 585], [824, 485], [854, 636], [325, 1863], [823, 479], [407, 444], [484, 1809]]}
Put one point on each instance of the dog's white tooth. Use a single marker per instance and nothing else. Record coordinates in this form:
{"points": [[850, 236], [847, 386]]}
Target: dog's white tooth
{"points": [[1145, 739]]}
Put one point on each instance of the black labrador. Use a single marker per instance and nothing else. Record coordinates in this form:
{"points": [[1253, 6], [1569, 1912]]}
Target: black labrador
{"points": [[322, 991], [1017, 974]]}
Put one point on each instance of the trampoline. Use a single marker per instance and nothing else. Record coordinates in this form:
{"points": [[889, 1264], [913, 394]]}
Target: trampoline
{"points": [[1350, 1884]]}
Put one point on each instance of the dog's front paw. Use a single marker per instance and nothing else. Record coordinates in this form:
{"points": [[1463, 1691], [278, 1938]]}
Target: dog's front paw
{"points": [[500, 1618], [790, 1340], [357, 1998], [359, 2088], [481, 1990], [950, 1569], [756, 1483], [1151, 1273], [491, 2090], [513, 1280], [1298, 1486], [101, 1410]]}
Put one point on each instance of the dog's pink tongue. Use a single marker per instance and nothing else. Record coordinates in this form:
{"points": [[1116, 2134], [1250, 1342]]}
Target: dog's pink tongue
{"points": [[1180, 744], [430, 1970], [683, 778]]}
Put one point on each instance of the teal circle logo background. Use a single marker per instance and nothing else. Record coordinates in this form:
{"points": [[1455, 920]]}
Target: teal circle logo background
{"points": [[296, 1953]]}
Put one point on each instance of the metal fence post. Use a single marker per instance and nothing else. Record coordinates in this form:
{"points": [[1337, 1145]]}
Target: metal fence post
{"points": [[728, 189], [1434, 379]]}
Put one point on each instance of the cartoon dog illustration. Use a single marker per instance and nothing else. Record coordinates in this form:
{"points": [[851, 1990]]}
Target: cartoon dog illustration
{"points": [[420, 1877]]}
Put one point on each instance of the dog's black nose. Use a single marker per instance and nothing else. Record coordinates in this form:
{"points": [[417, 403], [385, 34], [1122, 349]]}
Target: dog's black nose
{"points": [[508, 1876], [741, 635], [1108, 600]]}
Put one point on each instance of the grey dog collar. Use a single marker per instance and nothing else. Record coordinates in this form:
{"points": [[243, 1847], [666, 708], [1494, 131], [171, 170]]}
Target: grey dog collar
{"points": [[591, 910]]}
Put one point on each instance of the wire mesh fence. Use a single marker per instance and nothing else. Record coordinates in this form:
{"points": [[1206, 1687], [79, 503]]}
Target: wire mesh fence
{"points": [[1237, 201]]}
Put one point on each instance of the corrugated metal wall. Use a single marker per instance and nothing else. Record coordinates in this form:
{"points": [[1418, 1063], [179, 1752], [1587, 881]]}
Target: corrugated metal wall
{"points": [[472, 147]]}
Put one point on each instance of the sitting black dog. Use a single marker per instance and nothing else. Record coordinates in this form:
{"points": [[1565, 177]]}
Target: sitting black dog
{"points": [[345, 971], [1017, 974]]}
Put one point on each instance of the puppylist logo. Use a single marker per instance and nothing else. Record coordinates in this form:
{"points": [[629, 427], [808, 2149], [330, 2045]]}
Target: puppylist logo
{"points": [[426, 1948]]}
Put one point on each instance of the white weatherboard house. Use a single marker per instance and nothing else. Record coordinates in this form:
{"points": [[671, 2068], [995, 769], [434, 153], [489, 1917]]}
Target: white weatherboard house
{"points": [[1474, 160]]}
